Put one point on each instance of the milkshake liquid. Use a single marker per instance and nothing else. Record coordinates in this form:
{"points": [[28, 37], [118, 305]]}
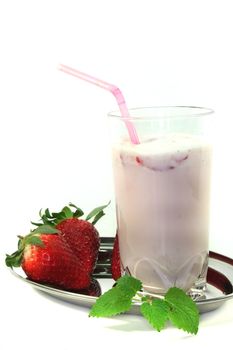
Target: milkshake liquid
{"points": [[162, 189]]}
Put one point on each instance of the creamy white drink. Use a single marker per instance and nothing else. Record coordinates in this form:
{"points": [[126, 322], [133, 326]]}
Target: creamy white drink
{"points": [[162, 190]]}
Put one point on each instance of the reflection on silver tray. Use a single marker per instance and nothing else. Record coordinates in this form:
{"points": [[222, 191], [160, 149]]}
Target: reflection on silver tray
{"points": [[219, 278]]}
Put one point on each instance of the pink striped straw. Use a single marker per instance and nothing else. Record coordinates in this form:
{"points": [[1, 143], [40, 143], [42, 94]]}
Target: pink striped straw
{"points": [[114, 90]]}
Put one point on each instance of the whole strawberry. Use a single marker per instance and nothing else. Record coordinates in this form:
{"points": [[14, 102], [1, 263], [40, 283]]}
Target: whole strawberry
{"points": [[83, 239], [115, 262], [94, 290], [46, 258], [81, 235]]}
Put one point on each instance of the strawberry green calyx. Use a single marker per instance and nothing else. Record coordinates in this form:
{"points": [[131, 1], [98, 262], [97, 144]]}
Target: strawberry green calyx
{"points": [[97, 213], [68, 212], [15, 259]]}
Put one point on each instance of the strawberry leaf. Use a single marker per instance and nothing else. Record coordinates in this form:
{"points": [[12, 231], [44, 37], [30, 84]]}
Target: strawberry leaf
{"points": [[46, 229], [35, 240], [47, 213], [59, 216], [15, 259], [97, 213], [55, 218], [78, 211], [97, 217], [45, 220], [20, 243], [36, 223], [68, 212]]}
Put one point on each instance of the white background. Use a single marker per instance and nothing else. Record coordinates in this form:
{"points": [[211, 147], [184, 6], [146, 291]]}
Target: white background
{"points": [[54, 138]]}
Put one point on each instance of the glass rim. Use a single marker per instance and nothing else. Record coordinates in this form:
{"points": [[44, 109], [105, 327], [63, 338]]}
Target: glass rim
{"points": [[163, 112]]}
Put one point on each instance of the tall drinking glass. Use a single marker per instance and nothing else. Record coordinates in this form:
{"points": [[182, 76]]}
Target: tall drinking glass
{"points": [[162, 193]]}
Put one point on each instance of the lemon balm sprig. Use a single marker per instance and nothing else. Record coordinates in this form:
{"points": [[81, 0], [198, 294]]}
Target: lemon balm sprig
{"points": [[174, 306]]}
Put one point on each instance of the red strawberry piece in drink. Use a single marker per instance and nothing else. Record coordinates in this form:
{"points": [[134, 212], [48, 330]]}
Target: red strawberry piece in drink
{"points": [[139, 160]]}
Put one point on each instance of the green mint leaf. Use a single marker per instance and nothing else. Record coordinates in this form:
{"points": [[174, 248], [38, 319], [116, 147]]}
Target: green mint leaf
{"points": [[129, 285], [156, 313], [68, 212], [78, 211], [118, 299], [176, 306], [145, 298], [111, 303], [34, 240], [96, 211], [183, 311], [45, 229]]}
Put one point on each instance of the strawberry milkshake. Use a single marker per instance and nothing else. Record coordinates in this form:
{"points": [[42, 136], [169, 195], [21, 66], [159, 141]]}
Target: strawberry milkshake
{"points": [[162, 191]]}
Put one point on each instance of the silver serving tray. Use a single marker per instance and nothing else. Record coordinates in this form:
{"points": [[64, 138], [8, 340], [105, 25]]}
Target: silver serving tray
{"points": [[219, 281]]}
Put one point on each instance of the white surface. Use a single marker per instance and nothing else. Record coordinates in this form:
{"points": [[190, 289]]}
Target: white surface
{"points": [[54, 137]]}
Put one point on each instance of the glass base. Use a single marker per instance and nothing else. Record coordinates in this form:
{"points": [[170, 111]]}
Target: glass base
{"points": [[197, 293]]}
